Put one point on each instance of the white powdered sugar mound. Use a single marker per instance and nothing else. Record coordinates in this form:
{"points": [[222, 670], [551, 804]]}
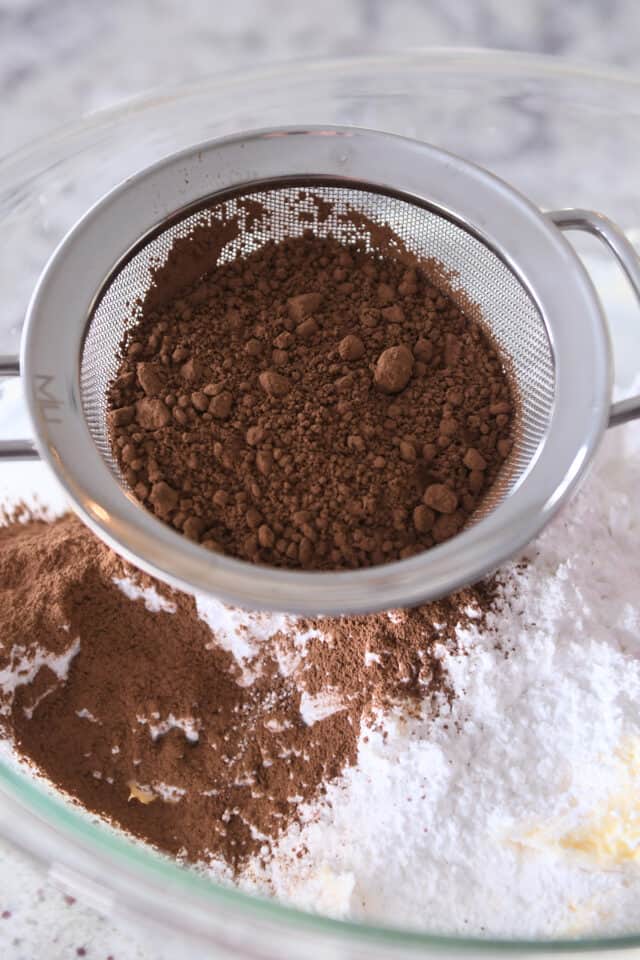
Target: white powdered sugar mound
{"points": [[519, 813]]}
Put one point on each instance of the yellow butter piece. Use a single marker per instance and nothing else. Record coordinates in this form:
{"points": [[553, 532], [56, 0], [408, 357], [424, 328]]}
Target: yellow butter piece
{"points": [[142, 794], [612, 834]]}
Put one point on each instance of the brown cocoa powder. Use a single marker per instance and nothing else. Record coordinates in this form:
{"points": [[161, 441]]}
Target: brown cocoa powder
{"points": [[309, 405], [228, 778]]}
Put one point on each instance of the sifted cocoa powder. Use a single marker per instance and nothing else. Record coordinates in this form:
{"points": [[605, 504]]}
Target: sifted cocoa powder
{"points": [[155, 725], [309, 405]]}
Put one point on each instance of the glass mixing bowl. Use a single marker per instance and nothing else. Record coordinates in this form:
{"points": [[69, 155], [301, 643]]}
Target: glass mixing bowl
{"points": [[563, 135]]}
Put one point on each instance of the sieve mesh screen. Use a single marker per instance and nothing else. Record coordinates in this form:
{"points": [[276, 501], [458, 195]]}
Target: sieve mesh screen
{"points": [[477, 276]]}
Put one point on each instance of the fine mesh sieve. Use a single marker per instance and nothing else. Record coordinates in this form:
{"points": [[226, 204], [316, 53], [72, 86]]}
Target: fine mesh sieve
{"points": [[480, 278], [506, 262]]}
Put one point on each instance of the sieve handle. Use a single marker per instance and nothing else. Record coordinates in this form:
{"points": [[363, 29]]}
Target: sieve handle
{"points": [[624, 252], [15, 449]]}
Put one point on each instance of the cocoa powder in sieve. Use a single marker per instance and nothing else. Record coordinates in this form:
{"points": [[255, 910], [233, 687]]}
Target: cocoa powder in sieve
{"points": [[309, 405], [153, 725]]}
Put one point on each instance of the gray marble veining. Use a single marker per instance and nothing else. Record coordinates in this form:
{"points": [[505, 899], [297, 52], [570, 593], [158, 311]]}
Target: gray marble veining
{"points": [[61, 59]]}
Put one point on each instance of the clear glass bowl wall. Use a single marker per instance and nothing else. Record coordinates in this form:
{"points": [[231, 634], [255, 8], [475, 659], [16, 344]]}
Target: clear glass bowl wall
{"points": [[565, 136]]}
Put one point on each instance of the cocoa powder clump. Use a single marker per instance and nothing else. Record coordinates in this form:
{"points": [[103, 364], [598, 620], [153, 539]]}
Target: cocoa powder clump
{"points": [[393, 369], [157, 727], [311, 377]]}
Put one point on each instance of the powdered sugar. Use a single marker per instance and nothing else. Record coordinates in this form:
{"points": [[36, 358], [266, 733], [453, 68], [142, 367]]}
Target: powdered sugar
{"points": [[153, 601], [158, 727], [168, 792], [317, 708], [24, 666], [236, 630]]}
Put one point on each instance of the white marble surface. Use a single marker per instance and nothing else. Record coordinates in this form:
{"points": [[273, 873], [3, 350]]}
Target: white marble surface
{"points": [[60, 59]]}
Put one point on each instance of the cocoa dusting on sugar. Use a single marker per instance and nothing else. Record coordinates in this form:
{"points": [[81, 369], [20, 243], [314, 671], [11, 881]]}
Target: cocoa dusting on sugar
{"points": [[155, 726], [310, 404]]}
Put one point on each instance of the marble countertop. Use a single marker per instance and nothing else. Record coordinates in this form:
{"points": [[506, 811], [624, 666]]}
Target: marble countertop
{"points": [[59, 60]]}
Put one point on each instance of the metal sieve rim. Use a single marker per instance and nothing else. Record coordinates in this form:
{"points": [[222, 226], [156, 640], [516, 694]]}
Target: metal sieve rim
{"points": [[533, 249]]}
